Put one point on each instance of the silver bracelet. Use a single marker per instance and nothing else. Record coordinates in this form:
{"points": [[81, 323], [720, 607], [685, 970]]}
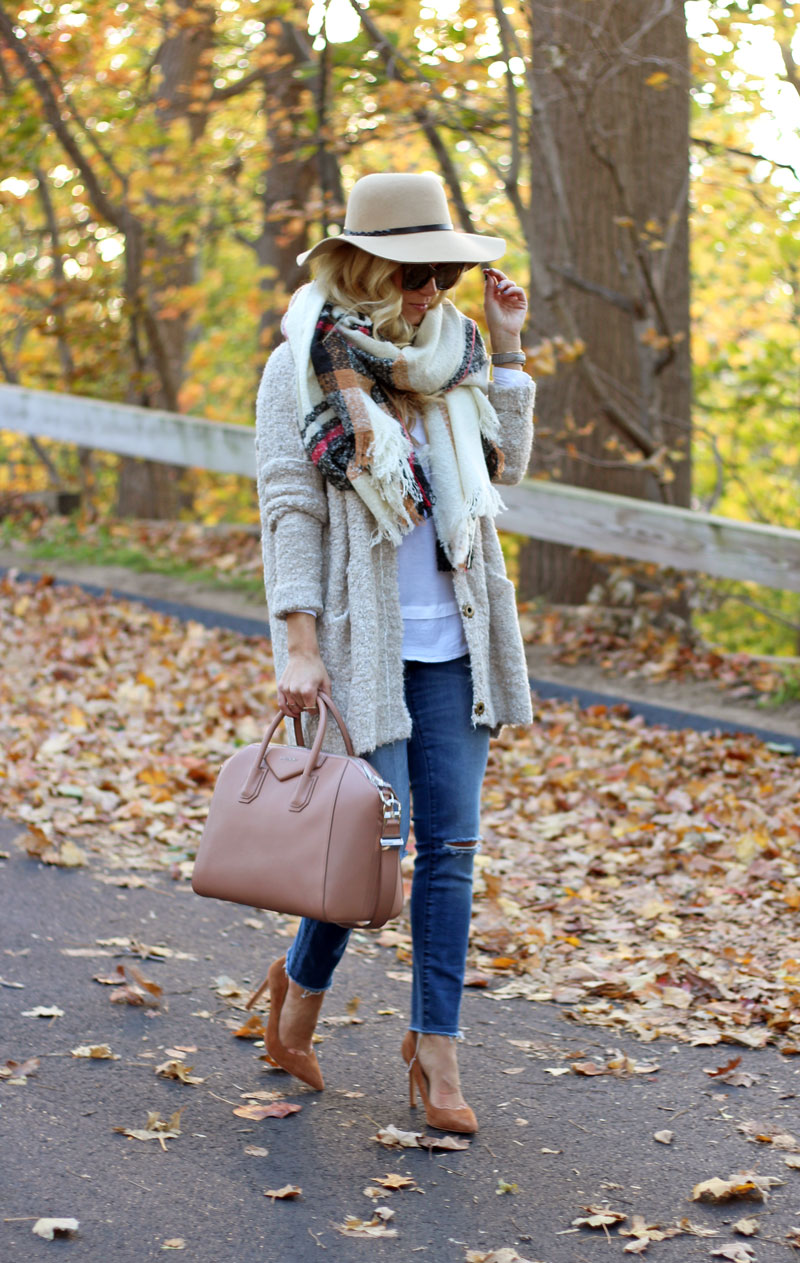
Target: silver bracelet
{"points": [[509, 357]]}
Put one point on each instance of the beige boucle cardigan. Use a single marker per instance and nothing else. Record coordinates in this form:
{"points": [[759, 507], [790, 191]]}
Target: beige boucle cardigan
{"points": [[318, 556]]}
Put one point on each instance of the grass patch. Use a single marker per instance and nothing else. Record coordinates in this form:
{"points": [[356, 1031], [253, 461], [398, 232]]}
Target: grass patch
{"points": [[104, 550]]}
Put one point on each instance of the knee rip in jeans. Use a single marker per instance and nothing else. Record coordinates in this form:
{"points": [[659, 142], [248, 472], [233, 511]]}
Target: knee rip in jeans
{"points": [[463, 846]]}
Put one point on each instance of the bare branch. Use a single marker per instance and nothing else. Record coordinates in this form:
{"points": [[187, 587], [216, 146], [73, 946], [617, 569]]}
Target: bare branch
{"points": [[390, 58], [601, 291], [506, 38], [64, 351], [84, 128], [236, 89], [792, 75], [714, 147], [100, 199], [626, 424]]}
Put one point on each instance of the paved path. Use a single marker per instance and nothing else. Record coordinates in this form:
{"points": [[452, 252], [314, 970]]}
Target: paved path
{"points": [[565, 1141]]}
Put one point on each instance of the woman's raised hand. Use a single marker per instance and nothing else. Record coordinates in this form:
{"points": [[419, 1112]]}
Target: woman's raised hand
{"points": [[506, 307]]}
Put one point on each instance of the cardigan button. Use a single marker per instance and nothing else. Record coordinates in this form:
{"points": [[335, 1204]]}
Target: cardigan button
{"points": [[479, 708], [468, 610]]}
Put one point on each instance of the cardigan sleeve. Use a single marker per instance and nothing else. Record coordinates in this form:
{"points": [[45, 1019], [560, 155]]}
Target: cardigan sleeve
{"points": [[514, 407], [291, 495]]}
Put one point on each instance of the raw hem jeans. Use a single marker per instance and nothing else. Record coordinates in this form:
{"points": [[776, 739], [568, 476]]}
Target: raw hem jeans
{"points": [[440, 769]]}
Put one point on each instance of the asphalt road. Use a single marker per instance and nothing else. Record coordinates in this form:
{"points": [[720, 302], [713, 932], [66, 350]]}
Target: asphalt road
{"points": [[563, 1140]]}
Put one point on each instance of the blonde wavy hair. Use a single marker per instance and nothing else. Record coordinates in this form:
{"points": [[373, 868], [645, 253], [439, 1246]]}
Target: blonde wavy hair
{"points": [[361, 282]]}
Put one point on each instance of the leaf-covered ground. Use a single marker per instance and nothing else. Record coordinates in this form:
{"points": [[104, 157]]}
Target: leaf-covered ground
{"points": [[646, 878], [622, 640], [626, 641]]}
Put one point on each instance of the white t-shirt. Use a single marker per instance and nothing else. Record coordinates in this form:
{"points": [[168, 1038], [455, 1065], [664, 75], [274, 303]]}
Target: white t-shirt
{"points": [[432, 630]]}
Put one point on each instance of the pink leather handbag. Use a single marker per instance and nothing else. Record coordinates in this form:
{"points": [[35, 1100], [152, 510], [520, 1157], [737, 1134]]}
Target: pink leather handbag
{"points": [[303, 831]]}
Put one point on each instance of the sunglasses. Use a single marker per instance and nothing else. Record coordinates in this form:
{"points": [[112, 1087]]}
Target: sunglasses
{"points": [[416, 275]]}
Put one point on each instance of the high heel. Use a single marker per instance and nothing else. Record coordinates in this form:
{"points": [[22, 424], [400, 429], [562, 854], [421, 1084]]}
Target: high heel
{"points": [[442, 1117], [303, 1066]]}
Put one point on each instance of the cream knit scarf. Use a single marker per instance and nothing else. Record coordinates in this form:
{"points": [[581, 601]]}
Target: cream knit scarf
{"points": [[353, 436]]}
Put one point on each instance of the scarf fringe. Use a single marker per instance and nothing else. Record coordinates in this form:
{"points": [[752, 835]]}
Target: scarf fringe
{"points": [[448, 358]]}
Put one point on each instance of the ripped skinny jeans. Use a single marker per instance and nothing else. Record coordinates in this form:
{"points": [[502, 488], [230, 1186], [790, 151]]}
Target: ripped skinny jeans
{"points": [[440, 770]]}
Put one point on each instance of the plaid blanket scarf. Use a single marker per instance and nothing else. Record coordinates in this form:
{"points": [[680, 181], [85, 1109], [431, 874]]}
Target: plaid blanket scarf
{"points": [[346, 378]]}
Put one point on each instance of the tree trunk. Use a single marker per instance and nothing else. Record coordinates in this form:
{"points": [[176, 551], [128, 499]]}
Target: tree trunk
{"points": [[296, 175], [149, 488], [606, 226]]}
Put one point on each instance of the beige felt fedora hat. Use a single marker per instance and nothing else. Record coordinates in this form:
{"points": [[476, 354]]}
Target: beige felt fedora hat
{"points": [[405, 217]]}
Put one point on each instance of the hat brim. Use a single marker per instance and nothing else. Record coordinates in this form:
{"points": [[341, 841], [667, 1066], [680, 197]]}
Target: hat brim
{"points": [[447, 246]]}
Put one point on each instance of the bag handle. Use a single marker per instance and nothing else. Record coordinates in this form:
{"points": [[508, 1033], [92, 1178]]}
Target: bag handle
{"points": [[341, 725], [325, 705], [258, 771]]}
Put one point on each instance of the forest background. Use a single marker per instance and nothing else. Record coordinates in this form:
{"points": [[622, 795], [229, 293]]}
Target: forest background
{"points": [[162, 162]]}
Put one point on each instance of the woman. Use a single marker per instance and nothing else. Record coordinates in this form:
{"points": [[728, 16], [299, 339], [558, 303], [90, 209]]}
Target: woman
{"points": [[379, 440]]}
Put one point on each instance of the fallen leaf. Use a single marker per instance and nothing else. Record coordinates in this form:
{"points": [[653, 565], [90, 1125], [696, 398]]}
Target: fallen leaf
{"points": [[736, 1252], [128, 995], [715, 1072], [95, 1052], [599, 1217], [256, 1151], [747, 1227], [44, 1011], [141, 991], [588, 1068], [504, 1187], [506, 1255], [152, 988], [17, 1072], [280, 1109], [228, 989], [50, 1228], [392, 1138], [41, 847], [174, 1243], [175, 1069], [394, 1181], [793, 1160], [111, 980], [664, 1137], [287, 1193], [696, 1230], [450, 1143], [374, 1227], [262, 1095], [253, 1028], [746, 1184], [645, 1234], [156, 1128]]}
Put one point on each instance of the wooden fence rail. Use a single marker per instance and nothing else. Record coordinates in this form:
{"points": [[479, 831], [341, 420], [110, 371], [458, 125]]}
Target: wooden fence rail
{"points": [[618, 525]]}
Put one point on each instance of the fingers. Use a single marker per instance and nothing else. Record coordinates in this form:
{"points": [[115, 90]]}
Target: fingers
{"points": [[501, 286], [300, 683], [294, 703]]}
